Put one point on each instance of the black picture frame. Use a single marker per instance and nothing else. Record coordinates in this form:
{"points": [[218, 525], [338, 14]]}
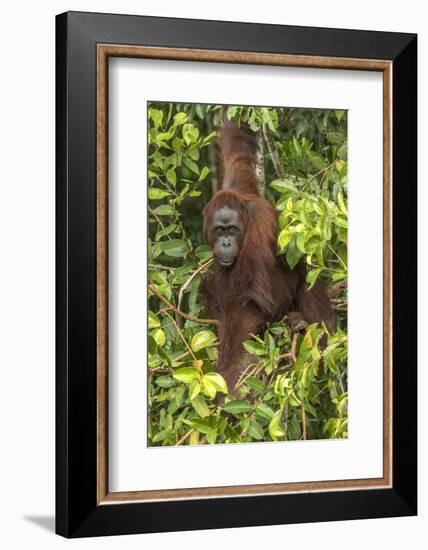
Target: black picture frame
{"points": [[78, 513]]}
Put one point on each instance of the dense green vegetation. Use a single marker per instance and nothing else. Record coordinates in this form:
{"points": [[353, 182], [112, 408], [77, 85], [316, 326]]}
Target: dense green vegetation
{"points": [[294, 388]]}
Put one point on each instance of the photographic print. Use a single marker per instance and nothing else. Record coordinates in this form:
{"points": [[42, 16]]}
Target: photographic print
{"points": [[247, 274]]}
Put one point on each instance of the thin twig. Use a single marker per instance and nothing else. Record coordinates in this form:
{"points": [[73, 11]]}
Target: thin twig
{"points": [[190, 279], [153, 213], [155, 291], [303, 423], [245, 374], [293, 347], [181, 356], [159, 266], [323, 171], [182, 336], [338, 257], [273, 151], [183, 439], [165, 309]]}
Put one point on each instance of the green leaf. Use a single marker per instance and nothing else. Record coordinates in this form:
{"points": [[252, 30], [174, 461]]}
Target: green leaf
{"points": [[284, 186], [277, 328], [211, 437], [237, 406], [157, 116], [341, 203], [153, 320], [194, 389], [255, 383], [293, 254], [187, 374], [275, 430], [255, 430], [175, 248], [254, 348], [284, 238], [341, 222], [270, 117], [342, 152], [159, 337], [200, 110], [200, 406], [312, 276], [293, 400], [317, 160], [209, 138], [208, 387], [184, 191], [297, 147], [171, 176], [177, 144], [190, 133], [177, 401], [335, 137], [191, 165], [231, 111], [203, 252], [204, 173], [264, 411], [164, 381], [203, 339], [159, 436], [156, 194], [152, 345], [194, 153], [244, 423], [301, 241], [217, 381], [194, 438], [161, 137], [269, 341], [202, 426], [166, 231], [339, 115], [180, 118], [164, 210], [339, 276]]}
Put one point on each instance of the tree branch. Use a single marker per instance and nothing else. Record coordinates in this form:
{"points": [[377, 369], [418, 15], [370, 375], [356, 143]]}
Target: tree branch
{"points": [[182, 336], [303, 423], [183, 439], [323, 171], [156, 292], [189, 280]]}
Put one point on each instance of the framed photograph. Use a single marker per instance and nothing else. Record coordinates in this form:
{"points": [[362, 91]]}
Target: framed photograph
{"points": [[236, 274]]}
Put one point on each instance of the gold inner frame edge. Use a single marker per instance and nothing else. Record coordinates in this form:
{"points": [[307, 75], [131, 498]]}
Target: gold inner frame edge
{"points": [[104, 51]]}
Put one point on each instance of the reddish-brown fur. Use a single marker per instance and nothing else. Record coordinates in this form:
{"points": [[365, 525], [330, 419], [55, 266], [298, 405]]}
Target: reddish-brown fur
{"points": [[260, 286]]}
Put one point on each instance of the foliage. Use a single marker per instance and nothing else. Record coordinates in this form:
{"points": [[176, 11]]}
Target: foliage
{"points": [[295, 387]]}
